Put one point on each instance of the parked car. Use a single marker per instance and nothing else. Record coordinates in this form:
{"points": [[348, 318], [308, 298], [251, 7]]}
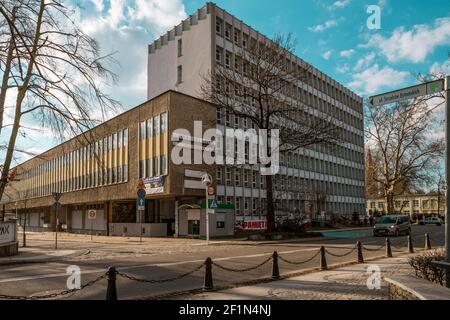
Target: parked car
{"points": [[392, 225], [433, 220]]}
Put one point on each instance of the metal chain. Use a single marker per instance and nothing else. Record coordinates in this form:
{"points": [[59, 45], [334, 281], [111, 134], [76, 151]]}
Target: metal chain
{"points": [[126, 276], [373, 250], [340, 255], [53, 295], [400, 247], [299, 262], [242, 270]]}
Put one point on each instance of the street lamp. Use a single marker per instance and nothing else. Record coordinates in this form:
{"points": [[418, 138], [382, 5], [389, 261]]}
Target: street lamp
{"points": [[206, 181]]}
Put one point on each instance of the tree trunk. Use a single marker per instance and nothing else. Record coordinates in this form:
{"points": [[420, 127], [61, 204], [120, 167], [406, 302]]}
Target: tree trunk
{"points": [[270, 204], [389, 196]]}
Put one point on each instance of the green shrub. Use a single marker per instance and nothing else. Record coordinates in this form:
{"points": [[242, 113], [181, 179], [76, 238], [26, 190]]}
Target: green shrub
{"points": [[424, 269]]}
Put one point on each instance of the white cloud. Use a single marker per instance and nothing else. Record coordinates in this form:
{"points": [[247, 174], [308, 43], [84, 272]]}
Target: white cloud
{"points": [[364, 62], [347, 53], [440, 68], [413, 45], [343, 69], [371, 80], [98, 5], [327, 55], [341, 3], [322, 27], [127, 27]]}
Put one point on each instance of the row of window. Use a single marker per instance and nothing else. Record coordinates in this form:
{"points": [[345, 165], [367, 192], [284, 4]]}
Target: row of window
{"points": [[426, 204], [229, 120], [252, 179], [241, 39], [102, 163], [153, 146]]}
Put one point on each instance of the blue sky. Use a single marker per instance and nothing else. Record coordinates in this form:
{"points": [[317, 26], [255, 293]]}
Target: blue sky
{"points": [[332, 35]]}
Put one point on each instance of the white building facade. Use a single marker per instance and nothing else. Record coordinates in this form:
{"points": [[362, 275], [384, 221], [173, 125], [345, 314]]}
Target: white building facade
{"points": [[211, 38]]}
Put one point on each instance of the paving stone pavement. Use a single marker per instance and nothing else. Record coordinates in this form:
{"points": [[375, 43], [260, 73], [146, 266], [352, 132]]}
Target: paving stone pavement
{"points": [[346, 283]]}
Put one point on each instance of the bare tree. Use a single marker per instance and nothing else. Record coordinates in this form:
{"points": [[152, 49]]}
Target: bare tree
{"points": [[258, 86], [54, 70], [402, 148]]}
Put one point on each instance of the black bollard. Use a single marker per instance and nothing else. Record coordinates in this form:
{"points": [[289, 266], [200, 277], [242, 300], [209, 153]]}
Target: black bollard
{"points": [[388, 248], [360, 253], [410, 245], [275, 268], [427, 242], [323, 259], [111, 291], [208, 284]]}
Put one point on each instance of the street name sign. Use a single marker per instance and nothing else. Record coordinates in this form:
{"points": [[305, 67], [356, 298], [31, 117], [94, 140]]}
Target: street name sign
{"points": [[423, 89]]}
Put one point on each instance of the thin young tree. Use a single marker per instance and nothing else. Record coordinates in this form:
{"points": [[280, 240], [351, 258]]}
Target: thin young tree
{"points": [[53, 69], [259, 86]]}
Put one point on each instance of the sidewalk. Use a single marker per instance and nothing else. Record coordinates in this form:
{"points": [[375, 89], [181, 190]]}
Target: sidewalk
{"points": [[36, 255], [346, 283]]}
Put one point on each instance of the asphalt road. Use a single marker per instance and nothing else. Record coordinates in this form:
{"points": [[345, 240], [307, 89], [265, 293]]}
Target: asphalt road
{"points": [[169, 258]]}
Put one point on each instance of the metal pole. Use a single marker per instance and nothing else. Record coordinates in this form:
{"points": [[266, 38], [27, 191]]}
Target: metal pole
{"points": [[56, 226], [207, 217], [92, 227], [140, 225], [447, 171]]}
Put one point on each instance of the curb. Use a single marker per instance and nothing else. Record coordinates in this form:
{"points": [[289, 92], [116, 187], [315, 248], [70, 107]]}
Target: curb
{"points": [[44, 260]]}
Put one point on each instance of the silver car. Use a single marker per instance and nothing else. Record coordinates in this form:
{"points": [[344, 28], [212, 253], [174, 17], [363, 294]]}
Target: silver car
{"points": [[392, 225]]}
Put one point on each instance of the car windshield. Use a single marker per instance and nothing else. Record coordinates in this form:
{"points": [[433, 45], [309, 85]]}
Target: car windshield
{"points": [[388, 220]]}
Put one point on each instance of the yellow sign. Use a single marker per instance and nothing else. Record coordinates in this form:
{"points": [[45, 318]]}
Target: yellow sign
{"points": [[141, 185]]}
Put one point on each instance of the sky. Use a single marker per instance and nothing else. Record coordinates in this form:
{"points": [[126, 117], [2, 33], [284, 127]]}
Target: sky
{"points": [[414, 37]]}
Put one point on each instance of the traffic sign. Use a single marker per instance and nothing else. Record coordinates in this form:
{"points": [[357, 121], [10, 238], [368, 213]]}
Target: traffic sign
{"points": [[57, 196], [408, 93], [211, 191], [92, 214], [213, 204], [141, 184], [141, 193], [141, 204]]}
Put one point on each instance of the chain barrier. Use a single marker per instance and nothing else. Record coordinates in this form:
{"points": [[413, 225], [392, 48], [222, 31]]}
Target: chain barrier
{"points": [[373, 250], [184, 275], [242, 270], [299, 262], [53, 295], [341, 255], [400, 247]]}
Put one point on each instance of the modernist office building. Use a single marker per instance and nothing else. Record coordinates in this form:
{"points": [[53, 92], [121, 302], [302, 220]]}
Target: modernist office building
{"points": [[211, 39], [101, 169]]}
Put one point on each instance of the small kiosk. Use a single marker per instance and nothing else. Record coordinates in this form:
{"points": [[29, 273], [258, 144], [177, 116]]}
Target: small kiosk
{"points": [[192, 221]]}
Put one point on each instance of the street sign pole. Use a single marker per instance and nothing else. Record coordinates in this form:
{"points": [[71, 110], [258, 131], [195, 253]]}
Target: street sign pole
{"points": [[92, 227], [56, 227], [447, 173], [207, 216]]}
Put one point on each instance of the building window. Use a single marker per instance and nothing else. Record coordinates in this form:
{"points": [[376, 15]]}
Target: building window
{"points": [[219, 25], [245, 41], [415, 203], [179, 74], [219, 52], [237, 37], [228, 59], [228, 31], [180, 47], [380, 205]]}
